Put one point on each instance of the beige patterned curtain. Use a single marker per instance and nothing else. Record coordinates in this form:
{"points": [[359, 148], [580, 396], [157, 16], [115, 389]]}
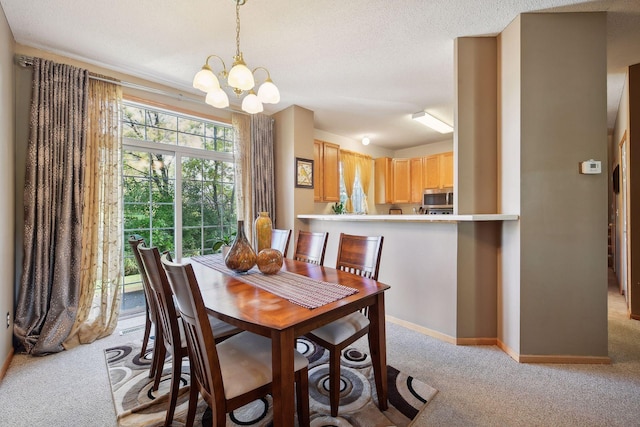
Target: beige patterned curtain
{"points": [[102, 231], [365, 166], [244, 180], [349, 161], [264, 199], [49, 292]]}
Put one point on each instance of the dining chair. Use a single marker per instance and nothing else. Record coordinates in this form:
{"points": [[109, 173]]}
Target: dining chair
{"points": [[151, 315], [234, 372], [280, 240], [173, 338], [356, 255], [310, 247]]}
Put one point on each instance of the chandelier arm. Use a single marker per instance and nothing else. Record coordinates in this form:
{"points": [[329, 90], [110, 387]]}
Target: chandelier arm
{"points": [[223, 73], [264, 69]]}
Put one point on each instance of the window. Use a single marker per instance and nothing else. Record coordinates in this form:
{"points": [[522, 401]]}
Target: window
{"points": [[357, 195], [178, 185]]}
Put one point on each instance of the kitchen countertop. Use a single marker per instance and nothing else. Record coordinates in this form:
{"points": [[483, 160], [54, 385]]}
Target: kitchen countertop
{"points": [[414, 218]]}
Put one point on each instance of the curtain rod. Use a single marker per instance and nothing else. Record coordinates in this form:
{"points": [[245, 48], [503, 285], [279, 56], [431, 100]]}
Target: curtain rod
{"points": [[27, 61]]}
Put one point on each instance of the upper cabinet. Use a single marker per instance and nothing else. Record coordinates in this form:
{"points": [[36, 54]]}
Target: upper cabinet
{"points": [[404, 180], [399, 180], [416, 180], [438, 170], [326, 167], [401, 177], [383, 180]]}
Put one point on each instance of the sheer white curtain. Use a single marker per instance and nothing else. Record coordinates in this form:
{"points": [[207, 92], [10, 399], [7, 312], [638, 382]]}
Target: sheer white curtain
{"points": [[102, 229]]}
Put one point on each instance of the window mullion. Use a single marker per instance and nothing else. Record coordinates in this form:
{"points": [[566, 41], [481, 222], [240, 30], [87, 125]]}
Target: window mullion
{"points": [[178, 207]]}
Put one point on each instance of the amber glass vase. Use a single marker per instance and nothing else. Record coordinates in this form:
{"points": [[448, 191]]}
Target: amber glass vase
{"points": [[241, 256], [263, 231]]}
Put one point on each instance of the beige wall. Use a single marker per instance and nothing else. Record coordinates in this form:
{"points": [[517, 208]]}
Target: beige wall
{"points": [[509, 70], [7, 161], [475, 140], [293, 138], [563, 225], [475, 173]]}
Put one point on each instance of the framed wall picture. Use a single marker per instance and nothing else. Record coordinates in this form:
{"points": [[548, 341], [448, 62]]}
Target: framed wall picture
{"points": [[304, 173]]}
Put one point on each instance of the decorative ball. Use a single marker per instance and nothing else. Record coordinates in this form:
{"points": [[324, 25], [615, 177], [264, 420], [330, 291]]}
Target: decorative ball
{"points": [[269, 261]]}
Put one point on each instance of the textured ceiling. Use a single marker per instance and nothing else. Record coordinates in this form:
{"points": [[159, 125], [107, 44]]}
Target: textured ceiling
{"points": [[363, 67]]}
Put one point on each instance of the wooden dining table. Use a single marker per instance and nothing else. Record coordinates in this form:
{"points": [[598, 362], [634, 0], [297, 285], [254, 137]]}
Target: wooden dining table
{"points": [[253, 309]]}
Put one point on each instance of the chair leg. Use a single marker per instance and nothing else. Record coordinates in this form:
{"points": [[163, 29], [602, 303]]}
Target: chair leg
{"points": [[193, 403], [176, 372], [162, 352], [302, 397], [147, 333], [334, 380]]}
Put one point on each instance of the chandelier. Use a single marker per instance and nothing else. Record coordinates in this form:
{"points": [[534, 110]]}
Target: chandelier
{"points": [[240, 79]]}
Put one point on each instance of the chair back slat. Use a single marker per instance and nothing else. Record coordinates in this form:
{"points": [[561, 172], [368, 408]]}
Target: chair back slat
{"points": [[162, 294], [200, 339], [360, 255], [310, 247], [135, 242], [280, 240]]}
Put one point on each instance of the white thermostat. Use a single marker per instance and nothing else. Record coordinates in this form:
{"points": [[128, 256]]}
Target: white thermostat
{"points": [[591, 166]]}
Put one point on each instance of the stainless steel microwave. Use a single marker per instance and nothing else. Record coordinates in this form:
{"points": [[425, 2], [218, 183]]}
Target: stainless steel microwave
{"points": [[438, 198]]}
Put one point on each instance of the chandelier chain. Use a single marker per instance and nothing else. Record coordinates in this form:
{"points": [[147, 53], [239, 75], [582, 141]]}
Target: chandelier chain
{"points": [[238, 28]]}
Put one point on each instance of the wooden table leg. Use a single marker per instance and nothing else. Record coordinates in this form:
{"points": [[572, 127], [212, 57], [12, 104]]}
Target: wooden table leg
{"points": [[283, 388], [378, 348]]}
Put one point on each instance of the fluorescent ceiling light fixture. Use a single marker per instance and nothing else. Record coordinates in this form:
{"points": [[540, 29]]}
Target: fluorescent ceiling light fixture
{"points": [[435, 124]]}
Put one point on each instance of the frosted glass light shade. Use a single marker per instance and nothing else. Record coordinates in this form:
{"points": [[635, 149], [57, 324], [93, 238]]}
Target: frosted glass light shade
{"points": [[217, 98], [251, 104], [268, 93], [241, 77], [205, 80]]}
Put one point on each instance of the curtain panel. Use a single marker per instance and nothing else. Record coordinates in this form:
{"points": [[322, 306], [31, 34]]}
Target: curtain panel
{"points": [[49, 290], [244, 187], [264, 199], [365, 168], [349, 167], [101, 272]]}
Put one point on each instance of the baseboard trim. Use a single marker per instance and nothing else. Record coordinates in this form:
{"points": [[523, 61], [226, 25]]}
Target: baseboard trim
{"points": [[562, 359], [422, 330], [520, 358], [5, 366], [476, 341], [510, 352], [634, 316], [554, 358]]}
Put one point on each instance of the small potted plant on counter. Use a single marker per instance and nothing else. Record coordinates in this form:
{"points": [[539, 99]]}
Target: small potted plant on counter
{"points": [[337, 208]]}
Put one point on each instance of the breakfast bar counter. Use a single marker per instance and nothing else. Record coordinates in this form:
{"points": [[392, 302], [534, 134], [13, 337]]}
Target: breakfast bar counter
{"points": [[413, 218], [443, 269]]}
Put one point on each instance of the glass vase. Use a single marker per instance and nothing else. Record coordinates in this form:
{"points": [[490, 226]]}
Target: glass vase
{"points": [[263, 231], [241, 257]]}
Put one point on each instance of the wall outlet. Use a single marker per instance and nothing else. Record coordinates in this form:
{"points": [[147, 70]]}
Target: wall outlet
{"points": [[8, 320]]}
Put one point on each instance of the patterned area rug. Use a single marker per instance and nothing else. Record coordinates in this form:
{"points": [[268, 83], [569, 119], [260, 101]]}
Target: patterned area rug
{"points": [[137, 405]]}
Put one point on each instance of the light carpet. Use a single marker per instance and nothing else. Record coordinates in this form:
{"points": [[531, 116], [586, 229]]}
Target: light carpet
{"points": [[137, 405]]}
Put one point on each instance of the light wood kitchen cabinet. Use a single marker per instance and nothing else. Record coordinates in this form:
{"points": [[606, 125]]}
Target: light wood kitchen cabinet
{"points": [[415, 180], [401, 180], [446, 172], [438, 170], [326, 167], [383, 180]]}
